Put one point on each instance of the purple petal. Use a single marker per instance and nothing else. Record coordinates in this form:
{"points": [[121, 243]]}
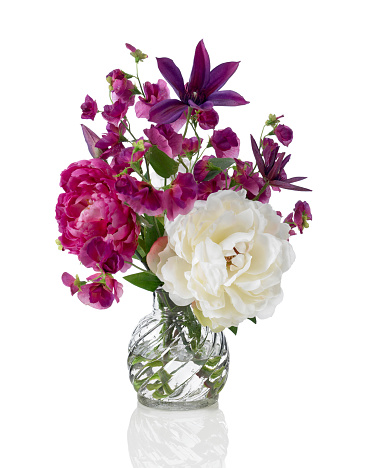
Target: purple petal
{"points": [[284, 184], [91, 139], [206, 106], [199, 76], [220, 75], [227, 98], [256, 152], [172, 75], [167, 111], [276, 167], [295, 179]]}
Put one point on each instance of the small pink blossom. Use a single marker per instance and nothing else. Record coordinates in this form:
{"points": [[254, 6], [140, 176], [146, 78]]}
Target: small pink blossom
{"points": [[302, 213], [141, 196], [190, 145], [206, 187], [180, 198], [208, 120], [201, 168], [121, 87], [115, 112], [71, 282], [154, 93], [251, 182], [284, 134], [89, 108], [166, 139], [226, 143], [100, 295]]}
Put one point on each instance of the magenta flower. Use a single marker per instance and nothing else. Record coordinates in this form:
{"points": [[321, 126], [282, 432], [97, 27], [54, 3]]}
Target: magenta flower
{"points": [[142, 197], [180, 198], [302, 213], [251, 182], [89, 108], [201, 168], [208, 120], [123, 158], [121, 88], [99, 254], [154, 93], [166, 139], [91, 208], [202, 92], [272, 166], [226, 143], [115, 112], [99, 294], [190, 145], [205, 188], [110, 143], [284, 134], [71, 282]]}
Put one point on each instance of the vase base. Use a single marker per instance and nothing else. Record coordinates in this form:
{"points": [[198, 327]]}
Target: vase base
{"points": [[177, 405]]}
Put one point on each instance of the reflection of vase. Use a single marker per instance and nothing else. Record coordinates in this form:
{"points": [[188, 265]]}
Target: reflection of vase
{"points": [[174, 362], [191, 439]]}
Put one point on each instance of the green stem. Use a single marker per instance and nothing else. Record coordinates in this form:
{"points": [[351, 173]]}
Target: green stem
{"points": [[139, 81], [158, 229], [187, 121], [128, 130], [261, 191], [261, 136], [135, 266]]}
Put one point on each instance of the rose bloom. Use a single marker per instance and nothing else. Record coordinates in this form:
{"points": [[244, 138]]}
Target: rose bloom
{"points": [[226, 258]]}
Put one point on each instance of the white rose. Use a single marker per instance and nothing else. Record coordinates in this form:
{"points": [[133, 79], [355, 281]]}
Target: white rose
{"points": [[226, 257]]}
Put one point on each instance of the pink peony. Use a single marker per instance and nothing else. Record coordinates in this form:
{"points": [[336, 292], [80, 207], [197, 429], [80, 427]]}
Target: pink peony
{"points": [[90, 208], [166, 139], [226, 143], [89, 108], [180, 198], [154, 93]]}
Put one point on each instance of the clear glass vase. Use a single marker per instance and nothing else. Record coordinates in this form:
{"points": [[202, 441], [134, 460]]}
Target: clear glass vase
{"points": [[174, 362]]}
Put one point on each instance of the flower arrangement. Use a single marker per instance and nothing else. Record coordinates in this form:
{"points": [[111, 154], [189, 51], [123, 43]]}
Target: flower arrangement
{"points": [[187, 211]]}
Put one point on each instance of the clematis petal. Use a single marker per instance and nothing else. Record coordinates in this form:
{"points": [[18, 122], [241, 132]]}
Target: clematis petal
{"points": [[286, 185], [172, 74], [206, 106], [220, 75], [227, 98], [200, 72], [167, 111], [258, 157]]}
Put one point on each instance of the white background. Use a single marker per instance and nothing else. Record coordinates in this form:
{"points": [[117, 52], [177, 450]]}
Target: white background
{"points": [[295, 394]]}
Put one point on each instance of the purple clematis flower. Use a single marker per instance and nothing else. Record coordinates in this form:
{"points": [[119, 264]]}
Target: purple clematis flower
{"points": [[202, 92], [272, 166]]}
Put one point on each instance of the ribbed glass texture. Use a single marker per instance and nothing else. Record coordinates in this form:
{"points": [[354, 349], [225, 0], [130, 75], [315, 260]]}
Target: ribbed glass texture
{"points": [[175, 363]]}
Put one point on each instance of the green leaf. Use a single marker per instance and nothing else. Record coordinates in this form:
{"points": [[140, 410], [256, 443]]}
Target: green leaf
{"points": [[145, 280], [253, 319], [212, 174], [234, 330], [162, 164], [221, 163]]}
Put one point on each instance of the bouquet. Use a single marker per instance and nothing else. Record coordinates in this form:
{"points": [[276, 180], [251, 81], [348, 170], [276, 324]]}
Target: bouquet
{"points": [[178, 203]]}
